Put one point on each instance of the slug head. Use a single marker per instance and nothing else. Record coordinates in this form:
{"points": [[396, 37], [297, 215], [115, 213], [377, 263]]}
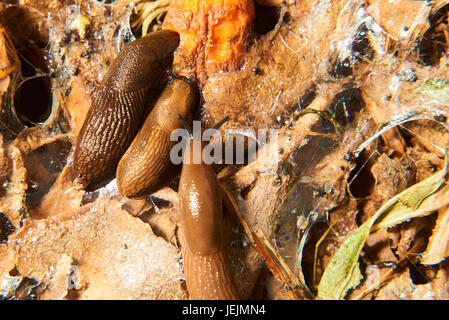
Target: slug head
{"points": [[141, 61], [178, 98], [87, 178]]}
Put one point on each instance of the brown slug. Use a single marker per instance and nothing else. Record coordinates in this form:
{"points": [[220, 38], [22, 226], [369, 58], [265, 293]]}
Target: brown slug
{"points": [[207, 269], [142, 169], [119, 106]]}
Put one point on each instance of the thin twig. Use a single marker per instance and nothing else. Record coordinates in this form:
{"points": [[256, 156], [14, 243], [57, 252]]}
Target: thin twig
{"points": [[263, 248]]}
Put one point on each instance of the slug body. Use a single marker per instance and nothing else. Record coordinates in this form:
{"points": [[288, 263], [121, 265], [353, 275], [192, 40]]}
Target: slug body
{"points": [[206, 264], [119, 105], [145, 165]]}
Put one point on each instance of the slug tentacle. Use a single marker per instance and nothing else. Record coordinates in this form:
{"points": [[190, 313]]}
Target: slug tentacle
{"points": [[119, 105]]}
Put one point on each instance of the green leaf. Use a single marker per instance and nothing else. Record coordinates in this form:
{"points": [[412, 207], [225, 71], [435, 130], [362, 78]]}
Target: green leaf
{"points": [[341, 273], [437, 89]]}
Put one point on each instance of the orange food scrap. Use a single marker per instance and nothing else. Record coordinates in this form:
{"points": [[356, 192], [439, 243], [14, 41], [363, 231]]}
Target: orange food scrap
{"points": [[213, 34]]}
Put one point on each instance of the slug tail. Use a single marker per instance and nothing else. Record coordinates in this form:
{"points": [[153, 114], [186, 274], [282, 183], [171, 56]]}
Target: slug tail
{"points": [[208, 277]]}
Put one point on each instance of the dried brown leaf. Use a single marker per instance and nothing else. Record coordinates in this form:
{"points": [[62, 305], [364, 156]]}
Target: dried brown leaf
{"points": [[438, 247]]}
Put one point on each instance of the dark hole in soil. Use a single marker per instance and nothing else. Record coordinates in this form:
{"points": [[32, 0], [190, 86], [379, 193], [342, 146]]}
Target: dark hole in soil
{"points": [[33, 60], [342, 68], [434, 44], [361, 50], [361, 47], [343, 109], [266, 18], [417, 274], [361, 180], [421, 274], [26, 68], [33, 100], [315, 233], [14, 272], [345, 104]]}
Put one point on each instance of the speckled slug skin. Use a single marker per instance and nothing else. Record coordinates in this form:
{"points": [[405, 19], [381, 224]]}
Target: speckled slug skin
{"points": [[206, 266]]}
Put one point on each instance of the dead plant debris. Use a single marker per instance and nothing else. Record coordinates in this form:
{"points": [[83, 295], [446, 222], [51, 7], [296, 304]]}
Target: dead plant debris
{"points": [[354, 205]]}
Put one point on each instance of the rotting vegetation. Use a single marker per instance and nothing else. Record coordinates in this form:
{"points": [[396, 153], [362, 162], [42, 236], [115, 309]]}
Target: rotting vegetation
{"points": [[359, 97]]}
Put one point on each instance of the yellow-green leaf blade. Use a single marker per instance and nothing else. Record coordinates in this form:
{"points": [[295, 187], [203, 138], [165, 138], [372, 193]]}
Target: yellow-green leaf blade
{"points": [[340, 272]]}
